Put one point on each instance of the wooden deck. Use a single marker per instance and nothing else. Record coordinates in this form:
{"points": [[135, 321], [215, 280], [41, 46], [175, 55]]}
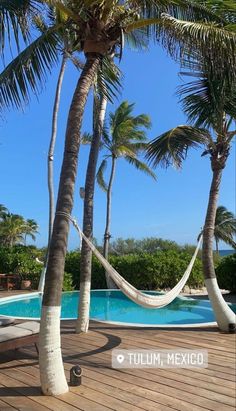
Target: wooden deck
{"points": [[104, 388]]}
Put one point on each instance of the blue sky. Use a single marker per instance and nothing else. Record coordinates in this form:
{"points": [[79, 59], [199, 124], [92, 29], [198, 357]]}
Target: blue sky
{"points": [[173, 207]]}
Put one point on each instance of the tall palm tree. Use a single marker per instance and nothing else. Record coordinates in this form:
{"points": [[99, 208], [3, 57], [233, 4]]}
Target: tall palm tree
{"points": [[125, 139], [107, 83], [225, 227], [98, 27], [67, 50], [99, 109], [209, 103]]}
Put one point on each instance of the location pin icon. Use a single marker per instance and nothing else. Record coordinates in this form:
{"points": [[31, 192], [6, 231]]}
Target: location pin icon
{"points": [[120, 358]]}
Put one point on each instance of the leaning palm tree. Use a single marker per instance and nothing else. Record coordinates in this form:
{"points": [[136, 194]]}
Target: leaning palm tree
{"points": [[225, 227], [125, 139], [98, 27], [209, 103]]}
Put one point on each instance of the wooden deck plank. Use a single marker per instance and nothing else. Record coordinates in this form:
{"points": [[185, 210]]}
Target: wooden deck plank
{"points": [[105, 389], [167, 387]]}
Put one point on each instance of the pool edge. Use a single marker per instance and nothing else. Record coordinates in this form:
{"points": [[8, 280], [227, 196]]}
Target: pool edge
{"points": [[136, 325]]}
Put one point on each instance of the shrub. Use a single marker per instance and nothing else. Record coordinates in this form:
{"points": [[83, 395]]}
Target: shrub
{"points": [[20, 260], [226, 273], [67, 282], [144, 271]]}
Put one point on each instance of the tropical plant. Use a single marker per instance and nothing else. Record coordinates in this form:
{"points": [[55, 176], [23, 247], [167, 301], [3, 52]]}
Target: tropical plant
{"points": [[159, 270], [226, 273], [126, 138], [12, 229], [98, 27], [3, 211], [209, 103], [31, 228], [225, 227], [148, 245]]}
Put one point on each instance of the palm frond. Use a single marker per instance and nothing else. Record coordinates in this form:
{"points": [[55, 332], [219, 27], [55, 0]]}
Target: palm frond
{"points": [[140, 165], [182, 38], [109, 79], [208, 97], [220, 234], [136, 40], [14, 20], [28, 71], [86, 138], [100, 175], [171, 147]]}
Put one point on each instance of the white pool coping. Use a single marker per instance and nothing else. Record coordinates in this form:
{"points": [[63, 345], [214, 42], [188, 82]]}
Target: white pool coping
{"points": [[124, 324]]}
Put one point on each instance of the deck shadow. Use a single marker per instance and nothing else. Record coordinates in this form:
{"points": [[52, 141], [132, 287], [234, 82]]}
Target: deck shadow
{"points": [[113, 341]]}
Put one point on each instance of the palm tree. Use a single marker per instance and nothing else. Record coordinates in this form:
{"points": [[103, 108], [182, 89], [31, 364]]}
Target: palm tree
{"points": [[225, 227], [98, 27], [209, 102], [67, 49], [31, 228], [12, 229], [86, 254], [126, 139], [107, 82]]}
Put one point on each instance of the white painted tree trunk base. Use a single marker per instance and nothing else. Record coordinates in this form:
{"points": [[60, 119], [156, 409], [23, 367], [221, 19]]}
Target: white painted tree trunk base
{"points": [[52, 375], [82, 323], [42, 280], [224, 315]]}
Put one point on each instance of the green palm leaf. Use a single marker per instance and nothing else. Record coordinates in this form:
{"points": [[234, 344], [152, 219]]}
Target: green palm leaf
{"points": [[140, 165], [28, 70], [100, 175], [109, 79], [172, 146], [182, 38], [14, 20]]}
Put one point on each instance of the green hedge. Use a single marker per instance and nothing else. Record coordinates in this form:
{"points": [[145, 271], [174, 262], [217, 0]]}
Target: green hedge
{"points": [[144, 271], [226, 273]]}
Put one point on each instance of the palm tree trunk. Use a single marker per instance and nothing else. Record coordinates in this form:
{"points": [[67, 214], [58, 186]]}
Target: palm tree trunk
{"points": [[224, 315], [107, 235], [52, 374], [99, 112], [217, 248], [50, 164]]}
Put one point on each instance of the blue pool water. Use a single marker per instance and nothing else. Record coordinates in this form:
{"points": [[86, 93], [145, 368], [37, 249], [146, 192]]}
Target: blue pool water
{"points": [[113, 306]]}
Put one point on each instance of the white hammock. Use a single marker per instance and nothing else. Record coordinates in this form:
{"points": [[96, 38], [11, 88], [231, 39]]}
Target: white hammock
{"points": [[145, 300]]}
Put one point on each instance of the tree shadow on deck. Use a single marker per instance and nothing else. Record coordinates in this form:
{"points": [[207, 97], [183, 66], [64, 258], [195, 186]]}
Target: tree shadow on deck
{"points": [[113, 341], [20, 391]]}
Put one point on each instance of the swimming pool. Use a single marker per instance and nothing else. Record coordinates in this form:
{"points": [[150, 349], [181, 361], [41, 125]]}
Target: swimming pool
{"points": [[114, 307]]}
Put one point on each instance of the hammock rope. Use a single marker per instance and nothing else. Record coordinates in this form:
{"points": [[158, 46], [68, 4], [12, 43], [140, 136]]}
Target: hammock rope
{"points": [[145, 300]]}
